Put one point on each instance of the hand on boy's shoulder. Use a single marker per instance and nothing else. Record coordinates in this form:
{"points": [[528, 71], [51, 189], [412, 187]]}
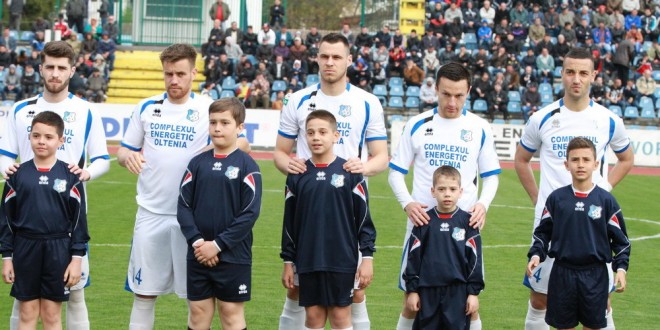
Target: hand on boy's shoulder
{"points": [[354, 165], [10, 170]]}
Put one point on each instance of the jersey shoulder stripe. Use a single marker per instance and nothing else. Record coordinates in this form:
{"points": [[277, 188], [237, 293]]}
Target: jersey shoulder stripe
{"points": [[156, 99], [306, 93], [22, 104], [421, 119]]}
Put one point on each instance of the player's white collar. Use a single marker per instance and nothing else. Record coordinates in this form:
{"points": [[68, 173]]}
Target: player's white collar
{"points": [[561, 102]]}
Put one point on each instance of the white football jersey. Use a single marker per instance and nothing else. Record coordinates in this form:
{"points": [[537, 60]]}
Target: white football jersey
{"points": [[84, 136], [549, 131], [430, 141], [359, 119], [169, 136]]}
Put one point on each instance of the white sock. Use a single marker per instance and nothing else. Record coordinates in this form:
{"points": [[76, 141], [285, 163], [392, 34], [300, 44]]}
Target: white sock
{"points": [[351, 328], [404, 323], [293, 316], [15, 316], [535, 319], [306, 328], [475, 324], [360, 315], [610, 320], [76, 311], [143, 314]]}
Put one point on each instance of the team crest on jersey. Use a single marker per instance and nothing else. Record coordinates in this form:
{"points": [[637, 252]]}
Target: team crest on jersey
{"points": [[579, 206], [242, 289], [232, 172], [444, 226], [69, 116], [193, 115], [466, 135], [458, 234], [59, 185], [320, 176], [217, 166], [344, 110], [595, 212], [337, 180], [43, 180], [555, 123]]}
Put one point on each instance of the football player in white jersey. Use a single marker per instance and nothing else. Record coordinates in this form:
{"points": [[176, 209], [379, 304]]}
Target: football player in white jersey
{"points": [[84, 138], [446, 135], [164, 133], [548, 132], [363, 143]]}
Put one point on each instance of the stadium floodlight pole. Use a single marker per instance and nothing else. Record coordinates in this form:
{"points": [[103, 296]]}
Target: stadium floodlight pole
{"points": [[363, 4], [243, 18]]}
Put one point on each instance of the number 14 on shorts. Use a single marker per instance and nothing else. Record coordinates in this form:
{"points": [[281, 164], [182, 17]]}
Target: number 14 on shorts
{"points": [[138, 277], [536, 275]]}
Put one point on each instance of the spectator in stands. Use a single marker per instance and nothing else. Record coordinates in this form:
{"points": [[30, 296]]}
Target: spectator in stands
{"points": [[106, 47], [242, 90], [8, 40], [536, 32], [511, 44], [618, 33], [583, 31], [416, 56], [427, 95], [482, 87], [357, 71], [312, 64], [380, 55], [96, 87], [236, 33], [480, 61], [94, 27], [635, 35], [260, 92], [364, 38], [653, 53], [383, 37], [454, 12], [278, 104], [551, 21], [40, 24], [511, 78], [470, 16], [394, 70], [530, 101], [412, 74], [34, 60], [101, 65], [602, 37], [112, 29], [313, 38], [225, 67], [363, 84], [285, 35], [501, 13], [266, 36], [214, 49], [348, 34], [545, 65], [447, 55], [295, 85], [614, 95], [431, 61], [398, 39], [607, 67], [262, 68], [487, 13], [104, 12], [280, 69], [560, 50], [282, 50], [600, 16], [646, 85], [277, 13], [396, 54], [61, 26], [534, 14], [298, 50], [498, 60], [220, 10], [632, 18], [463, 57], [15, 14], [630, 93], [497, 101], [212, 75], [502, 29], [379, 77], [649, 26], [484, 34], [519, 31], [598, 90], [5, 57], [584, 14], [30, 81], [38, 42], [265, 51], [12, 82], [76, 12], [529, 59], [569, 33], [89, 44], [520, 14], [22, 58], [454, 31], [233, 51], [250, 41], [216, 32], [623, 56], [566, 15]]}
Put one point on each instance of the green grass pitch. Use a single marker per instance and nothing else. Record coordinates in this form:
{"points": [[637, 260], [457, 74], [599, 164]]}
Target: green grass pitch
{"points": [[505, 237]]}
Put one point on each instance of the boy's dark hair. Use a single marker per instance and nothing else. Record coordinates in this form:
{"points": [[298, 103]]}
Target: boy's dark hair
{"points": [[177, 52], [447, 171], [454, 71], [580, 53], [50, 118], [59, 49], [323, 115], [335, 37], [580, 143], [229, 104]]}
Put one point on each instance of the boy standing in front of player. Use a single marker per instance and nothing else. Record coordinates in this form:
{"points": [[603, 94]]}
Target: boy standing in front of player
{"points": [[585, 225], [218, 229], [442, 287], [43, 237], [328, 233]]}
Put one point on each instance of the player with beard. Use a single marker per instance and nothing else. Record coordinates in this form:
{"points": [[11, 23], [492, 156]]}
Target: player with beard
{"points": [[164, 133], [362, 142], [84, 139]]}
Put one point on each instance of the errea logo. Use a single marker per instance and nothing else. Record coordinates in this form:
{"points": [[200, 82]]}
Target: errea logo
{"points": [[579, 206], [242, 289], [43, 180], [217, 166], [444, 226], [320, 176]]}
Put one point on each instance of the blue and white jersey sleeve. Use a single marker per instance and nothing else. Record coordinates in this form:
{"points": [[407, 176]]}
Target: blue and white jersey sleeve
{"points": [[376, 125], [405, 153], [489, 163], [289, 121], [97, 147], [619, 140], [134, 135], [531, 139]]}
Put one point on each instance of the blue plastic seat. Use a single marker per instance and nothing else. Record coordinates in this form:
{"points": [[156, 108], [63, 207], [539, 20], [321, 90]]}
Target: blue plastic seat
{"points": [[480, 105], [228, 83], [514, 107], [514, 96], [395, 102], [312, 79], [656, 75], [412, 102], [395, 81], [412, 91], [545, 88], [631, 112], [617, 110], [647, 113], [646, 103], [227, 93], [547, 98], [396, 91], [278, 85], [380, 90]]}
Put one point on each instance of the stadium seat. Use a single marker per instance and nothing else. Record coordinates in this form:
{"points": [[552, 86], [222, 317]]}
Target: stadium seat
{"points": [[466, 106], [631, 112], [396, 91], [646, 103], [647, 113], [312, 79], [651, 127], [380, 90], [499, 121], [545, 88], [547, 98], [657, 103], [557, 72], [557, 89], [229, 83], [227, 93], [470, 38], [213, 93], [412, 102], [278, 85], [616, 109], [27, 36], [514, 107], [395, 102], [656, 75], [395, 81], [382, 99], [273, 96], [514, 96], [516, 122], [480, 105], [252, 59], [8, 103], [412, 91]]}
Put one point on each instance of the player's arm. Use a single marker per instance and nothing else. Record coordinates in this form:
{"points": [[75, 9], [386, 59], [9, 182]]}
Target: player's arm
{"points": [[541, 240], [414, 262], [9, 148], [79, 229], [241, 226], [289, 234], [625, 162], [620, 246], [523, 166], [475, 280], [243, 144], [129, 154], [184, 210], [130, 159], [7, 216], [97, 149], [489, 186], [366, 233], [415, 211], [376, 163], [8, 166], [283, 161]]}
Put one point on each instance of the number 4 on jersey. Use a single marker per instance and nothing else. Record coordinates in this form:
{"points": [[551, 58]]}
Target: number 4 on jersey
{"points": [[536, 275], [138, 277]]}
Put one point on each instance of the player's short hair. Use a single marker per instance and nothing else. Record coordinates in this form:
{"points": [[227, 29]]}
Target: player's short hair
{"points": [[323, 115], [335, 37], [454, 71], [229, 104], [580, 143], [177, 52], [52, 119], [59, 49], [580, 53], [448, 171]]}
